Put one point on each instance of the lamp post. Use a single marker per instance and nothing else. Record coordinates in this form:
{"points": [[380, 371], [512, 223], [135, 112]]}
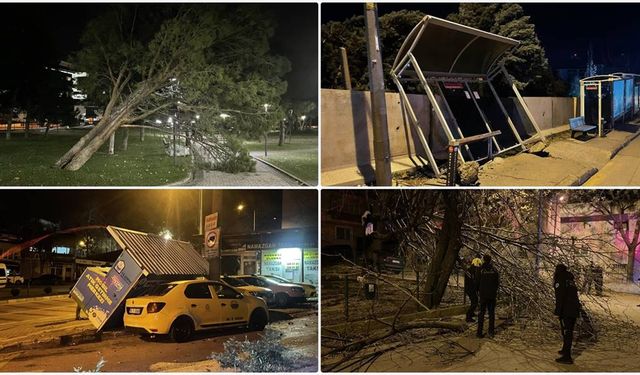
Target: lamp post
{"points": [[266, 110], [241, 208]]}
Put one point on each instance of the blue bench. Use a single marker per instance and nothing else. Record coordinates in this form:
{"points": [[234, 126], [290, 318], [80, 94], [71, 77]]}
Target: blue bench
{"points": [[577, 125]]}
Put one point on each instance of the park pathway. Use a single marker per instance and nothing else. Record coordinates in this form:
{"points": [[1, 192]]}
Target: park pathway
{"points": [[263, 176]]}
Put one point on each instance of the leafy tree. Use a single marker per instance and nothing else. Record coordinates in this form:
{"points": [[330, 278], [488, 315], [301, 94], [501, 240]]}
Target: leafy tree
{"points": [[150, 60], [616, 205], [394, 27], [527, 62]]}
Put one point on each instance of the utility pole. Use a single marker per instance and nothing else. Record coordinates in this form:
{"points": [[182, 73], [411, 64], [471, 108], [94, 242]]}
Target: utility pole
{"points": [[345, 68], [378, 103]]}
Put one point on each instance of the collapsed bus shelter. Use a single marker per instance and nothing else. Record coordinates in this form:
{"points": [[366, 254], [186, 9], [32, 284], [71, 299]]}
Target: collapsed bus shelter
{"points": [[606, 99], [457, 67], [146, 260]]}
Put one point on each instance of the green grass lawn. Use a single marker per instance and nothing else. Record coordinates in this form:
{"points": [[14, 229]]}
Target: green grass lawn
{"points": [[300, 157], [29, 161]]}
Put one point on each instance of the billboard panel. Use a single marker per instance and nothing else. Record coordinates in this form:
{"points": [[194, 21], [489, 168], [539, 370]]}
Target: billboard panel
{"points": [[618, 98], [99, 294]]}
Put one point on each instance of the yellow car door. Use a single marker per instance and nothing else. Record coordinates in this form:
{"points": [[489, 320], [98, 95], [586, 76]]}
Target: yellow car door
{"points": [[201, 304], [233, 307]]}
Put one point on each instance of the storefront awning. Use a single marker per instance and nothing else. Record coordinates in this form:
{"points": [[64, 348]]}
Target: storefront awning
{"points": [[441, 46]]}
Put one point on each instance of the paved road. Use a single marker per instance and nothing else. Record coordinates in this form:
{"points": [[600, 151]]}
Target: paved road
{"points": [[128, 353], [622, 170]]}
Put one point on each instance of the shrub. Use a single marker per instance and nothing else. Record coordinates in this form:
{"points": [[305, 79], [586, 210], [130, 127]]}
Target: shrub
{"points": [[265, 355], [15, 292], [47, 290]]}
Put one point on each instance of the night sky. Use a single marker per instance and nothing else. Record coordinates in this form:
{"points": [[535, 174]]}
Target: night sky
{"points": [[33, 35], [564, 29]]}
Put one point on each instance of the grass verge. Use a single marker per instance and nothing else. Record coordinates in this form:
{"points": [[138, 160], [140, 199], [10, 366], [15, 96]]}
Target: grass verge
{"points": [[298, 157], [29, 161]]}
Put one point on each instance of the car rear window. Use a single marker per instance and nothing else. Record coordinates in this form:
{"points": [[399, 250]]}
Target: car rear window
{"points": [[160, 290], [234, 282]]}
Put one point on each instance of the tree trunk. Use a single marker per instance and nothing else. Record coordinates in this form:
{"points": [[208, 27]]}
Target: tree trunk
{"points": [[47, 125], [447, 250], [631, 261], [142, 134], [125, 139], [8, 133], [281, 134], [82, 151], [26, 128], [112, 143]]}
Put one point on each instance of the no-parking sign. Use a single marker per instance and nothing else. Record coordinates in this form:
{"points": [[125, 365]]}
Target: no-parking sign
{"points": [[212, 243]]}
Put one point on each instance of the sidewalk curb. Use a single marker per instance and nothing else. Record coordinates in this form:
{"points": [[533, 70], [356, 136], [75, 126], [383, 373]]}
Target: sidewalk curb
{"points": [[82, 337], [585, 177], [624, 144], [29, 299]]}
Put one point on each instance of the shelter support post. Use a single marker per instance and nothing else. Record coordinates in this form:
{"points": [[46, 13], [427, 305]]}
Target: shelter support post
{"points": [[455, 121], [484, 119], [522, 102], [506, 114], [432, 99], [600, 122], [404, 101]]}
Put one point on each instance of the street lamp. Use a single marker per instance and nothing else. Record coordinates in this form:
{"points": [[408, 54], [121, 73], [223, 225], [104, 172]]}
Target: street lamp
{"points": [[241, 207], [158, 122], [224, 116]]}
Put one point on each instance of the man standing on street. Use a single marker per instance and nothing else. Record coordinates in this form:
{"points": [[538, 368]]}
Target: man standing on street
{"points": [[567, 309], [488, 284], [471, 274]]}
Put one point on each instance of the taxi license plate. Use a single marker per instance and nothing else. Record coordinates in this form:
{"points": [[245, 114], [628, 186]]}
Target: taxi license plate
{"points": [[134, 310]]}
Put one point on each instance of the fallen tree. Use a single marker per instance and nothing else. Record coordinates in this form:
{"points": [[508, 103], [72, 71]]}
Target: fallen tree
{"points": [[154, 60]]}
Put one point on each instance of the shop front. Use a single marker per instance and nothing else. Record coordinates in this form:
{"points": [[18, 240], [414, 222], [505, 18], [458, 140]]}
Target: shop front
{"points": [[289, 253]]}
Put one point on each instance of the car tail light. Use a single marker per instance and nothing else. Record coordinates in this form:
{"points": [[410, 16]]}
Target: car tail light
{"points": [[155, 307]]}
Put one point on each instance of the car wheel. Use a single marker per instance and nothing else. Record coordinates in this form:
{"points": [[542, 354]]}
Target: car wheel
{"points": [[282, 299], [258, 320], [181, 329]]}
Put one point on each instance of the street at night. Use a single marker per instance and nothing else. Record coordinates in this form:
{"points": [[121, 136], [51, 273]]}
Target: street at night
{"points": [[480, 281], [191, 277]]}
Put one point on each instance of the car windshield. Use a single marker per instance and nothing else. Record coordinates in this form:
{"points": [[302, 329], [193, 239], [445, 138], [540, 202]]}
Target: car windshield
{"points": [[277, 278], [234, 282], [160, 290]]}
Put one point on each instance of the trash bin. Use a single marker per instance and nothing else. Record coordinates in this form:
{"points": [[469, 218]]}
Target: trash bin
{"points": [[370, 290]]}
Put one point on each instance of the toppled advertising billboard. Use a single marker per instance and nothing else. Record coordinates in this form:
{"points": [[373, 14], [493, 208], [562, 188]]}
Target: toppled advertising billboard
{"points": [[100, 294]]}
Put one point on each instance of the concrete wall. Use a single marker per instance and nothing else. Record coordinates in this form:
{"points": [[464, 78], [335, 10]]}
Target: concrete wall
{"points": [[347, 137], [550, 112]]}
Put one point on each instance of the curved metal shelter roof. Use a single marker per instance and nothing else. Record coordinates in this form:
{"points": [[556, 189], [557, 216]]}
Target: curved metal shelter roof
{"points": [[159, 256], [603, 77], [442, 46]]}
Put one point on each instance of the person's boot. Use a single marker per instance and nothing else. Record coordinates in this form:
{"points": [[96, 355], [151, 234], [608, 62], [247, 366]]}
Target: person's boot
{"points": [[491, 334], [480, 335], [565, 359]]}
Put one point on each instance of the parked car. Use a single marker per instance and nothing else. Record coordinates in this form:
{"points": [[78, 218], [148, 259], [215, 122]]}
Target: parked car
{"points": [[47, 279], [265, 293], [180, 308], [286, 293], [3, 275], [310, 290], [15, 279]]}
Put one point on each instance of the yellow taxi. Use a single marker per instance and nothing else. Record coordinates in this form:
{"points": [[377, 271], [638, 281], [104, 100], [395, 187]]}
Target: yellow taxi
{"points": [[180, 308]]}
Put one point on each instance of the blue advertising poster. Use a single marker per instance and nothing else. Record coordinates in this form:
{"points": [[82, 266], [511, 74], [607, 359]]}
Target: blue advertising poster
{"points": [[99, 295], [628, 95], [618, 98]]}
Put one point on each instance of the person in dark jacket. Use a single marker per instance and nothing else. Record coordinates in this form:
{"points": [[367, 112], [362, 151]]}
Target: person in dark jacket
{"points": [[471, 274], [488, 284], [567, 309]]}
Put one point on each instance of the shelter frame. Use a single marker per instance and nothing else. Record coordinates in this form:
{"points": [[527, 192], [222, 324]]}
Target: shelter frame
{"points": [[407, 69], [597, 81]]}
